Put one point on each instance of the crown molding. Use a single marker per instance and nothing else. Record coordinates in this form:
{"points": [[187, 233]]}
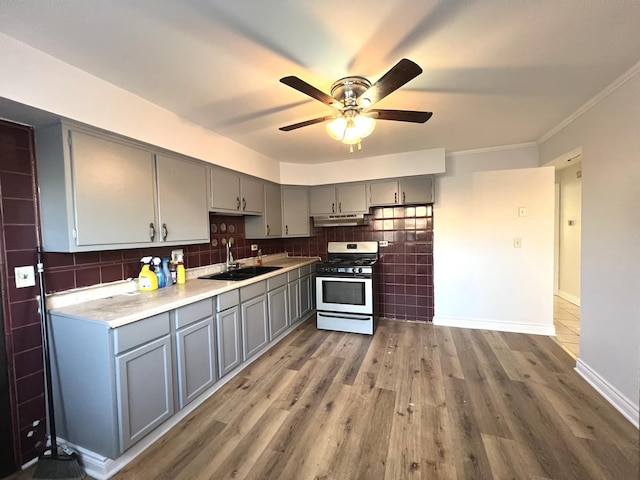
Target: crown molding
{"points": [[491, 149], [628, 75]]}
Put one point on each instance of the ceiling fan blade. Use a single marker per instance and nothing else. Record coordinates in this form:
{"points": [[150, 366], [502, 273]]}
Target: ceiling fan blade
{"points": [[400, 115], [308, 89], [288, 128], [402, 72]]}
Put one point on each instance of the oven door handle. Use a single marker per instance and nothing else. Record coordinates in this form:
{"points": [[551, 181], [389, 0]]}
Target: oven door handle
{"points": [[350, 316]]}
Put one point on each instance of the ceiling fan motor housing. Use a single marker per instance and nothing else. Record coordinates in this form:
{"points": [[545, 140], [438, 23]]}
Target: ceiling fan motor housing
{"points": [[349, 89]]}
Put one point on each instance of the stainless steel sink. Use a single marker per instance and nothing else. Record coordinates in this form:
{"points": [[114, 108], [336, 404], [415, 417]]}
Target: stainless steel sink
{"points": [[241, 273]]}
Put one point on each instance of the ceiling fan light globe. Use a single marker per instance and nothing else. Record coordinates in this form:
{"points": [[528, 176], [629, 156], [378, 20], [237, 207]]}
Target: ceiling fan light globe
{"points": [[336, 128], [351, 136], [364, 125]]}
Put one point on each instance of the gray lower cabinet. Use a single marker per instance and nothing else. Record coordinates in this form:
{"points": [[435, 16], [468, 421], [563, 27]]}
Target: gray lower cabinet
{"points": [[144, 384], [277, 301], [255, 320], [195, 350], [229, 332], [294, 295], [306, 295]]}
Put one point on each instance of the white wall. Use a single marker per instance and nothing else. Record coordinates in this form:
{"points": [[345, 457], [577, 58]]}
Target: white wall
{"points": [[481, 280], [609, 134], [569, 232], [31, 77], [371, 168]]}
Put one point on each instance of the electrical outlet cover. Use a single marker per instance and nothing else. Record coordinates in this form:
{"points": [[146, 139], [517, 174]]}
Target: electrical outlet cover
{"points": [[25, 276]]}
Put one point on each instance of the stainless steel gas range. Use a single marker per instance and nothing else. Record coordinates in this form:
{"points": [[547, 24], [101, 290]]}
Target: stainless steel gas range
{"points": [[345, 288]]}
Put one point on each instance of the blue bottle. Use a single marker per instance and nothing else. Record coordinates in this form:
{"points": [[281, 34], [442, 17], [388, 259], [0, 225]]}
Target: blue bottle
{"points": [[168, 280], [158, 272]]}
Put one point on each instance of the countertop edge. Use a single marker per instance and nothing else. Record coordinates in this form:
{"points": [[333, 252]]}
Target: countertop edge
{"points": [[119, 310]]}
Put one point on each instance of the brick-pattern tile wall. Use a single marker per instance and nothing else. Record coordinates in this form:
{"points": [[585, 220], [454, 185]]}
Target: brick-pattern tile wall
{"points": [[20, 308]]}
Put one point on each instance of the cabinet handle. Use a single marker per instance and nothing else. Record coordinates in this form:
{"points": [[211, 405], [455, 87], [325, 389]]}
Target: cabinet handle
{"points": [[286, 229], [244, 204], [165, 232], [395, 197], [238, 204], [152, 232], [404, 197], [340, 207], [268, 230]]}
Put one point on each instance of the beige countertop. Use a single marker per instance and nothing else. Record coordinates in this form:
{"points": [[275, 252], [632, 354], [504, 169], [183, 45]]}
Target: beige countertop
{"points": [[122, 308]]}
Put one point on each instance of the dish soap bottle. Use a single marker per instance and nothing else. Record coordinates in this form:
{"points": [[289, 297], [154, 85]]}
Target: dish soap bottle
{"points": [[168, 281], [147, 280], [180, 272], [159, 273]]}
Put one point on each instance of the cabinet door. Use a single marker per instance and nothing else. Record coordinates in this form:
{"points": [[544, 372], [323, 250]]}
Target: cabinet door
{"points": [[352, 198], [252, 201], [322, 201], [294, 300], [225, 191], [416, 190], [144, 390], [278, 311], [113, 191], [229, 340], [182, 198], [383, 193], [306, 295], [295, 212], [255, 328], [195, 353], [272, 210]]}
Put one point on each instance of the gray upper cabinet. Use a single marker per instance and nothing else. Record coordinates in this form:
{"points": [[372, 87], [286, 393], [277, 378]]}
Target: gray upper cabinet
{"points": [[340, 199], [182, 199], [270, 223], [232, 192], [101, 193], [295, 212], [384, 193], [416, 190], [404, 191]]}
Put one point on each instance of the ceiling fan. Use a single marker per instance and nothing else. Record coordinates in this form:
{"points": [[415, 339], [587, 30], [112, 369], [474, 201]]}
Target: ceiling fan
{"points": [[353, 97]]}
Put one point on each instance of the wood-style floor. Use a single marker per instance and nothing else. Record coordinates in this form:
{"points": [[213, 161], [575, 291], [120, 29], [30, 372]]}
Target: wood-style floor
{"points": [[414, 401]]}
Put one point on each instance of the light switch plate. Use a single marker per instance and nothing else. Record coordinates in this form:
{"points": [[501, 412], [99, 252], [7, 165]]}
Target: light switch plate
{"points": [[517, 242], [25, 276], [254, 247], [176, 254], [522, 211]]}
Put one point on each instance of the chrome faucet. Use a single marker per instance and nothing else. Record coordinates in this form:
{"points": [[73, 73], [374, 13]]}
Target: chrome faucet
{"points": [[230, 263]]}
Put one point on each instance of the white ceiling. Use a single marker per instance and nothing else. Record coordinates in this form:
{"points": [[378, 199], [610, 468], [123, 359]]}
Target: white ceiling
{"points": [[495, 72]]}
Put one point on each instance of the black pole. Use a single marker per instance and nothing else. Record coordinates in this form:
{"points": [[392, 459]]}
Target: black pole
{"points": [[47, 357]]}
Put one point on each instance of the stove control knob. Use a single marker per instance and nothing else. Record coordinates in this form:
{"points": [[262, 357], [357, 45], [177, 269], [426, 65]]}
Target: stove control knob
{"points": [[357, 270]]}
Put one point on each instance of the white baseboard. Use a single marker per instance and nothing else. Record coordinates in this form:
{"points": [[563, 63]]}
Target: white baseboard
{"points": [[569, 297], [499, 325], [609, 392]]}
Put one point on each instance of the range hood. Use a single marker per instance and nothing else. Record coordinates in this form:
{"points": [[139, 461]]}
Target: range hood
{"points": [[347, 220]]}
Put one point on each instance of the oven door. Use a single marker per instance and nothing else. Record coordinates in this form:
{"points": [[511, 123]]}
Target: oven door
{"points": [[349, 295]]}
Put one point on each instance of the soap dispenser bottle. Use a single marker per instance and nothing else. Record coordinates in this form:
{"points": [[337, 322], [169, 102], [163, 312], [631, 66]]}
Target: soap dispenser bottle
{"points": [[147, 280], [181, 275]]}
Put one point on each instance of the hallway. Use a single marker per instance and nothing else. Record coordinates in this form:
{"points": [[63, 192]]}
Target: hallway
{"points": [[566, 319]]}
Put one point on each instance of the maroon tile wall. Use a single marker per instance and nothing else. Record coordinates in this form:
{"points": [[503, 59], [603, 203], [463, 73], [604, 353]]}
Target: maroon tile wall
{"points": [[405, 267], [20, 309]]}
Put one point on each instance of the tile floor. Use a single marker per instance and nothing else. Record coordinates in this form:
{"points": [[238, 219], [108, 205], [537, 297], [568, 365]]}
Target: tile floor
{"points": [[566, 318]]}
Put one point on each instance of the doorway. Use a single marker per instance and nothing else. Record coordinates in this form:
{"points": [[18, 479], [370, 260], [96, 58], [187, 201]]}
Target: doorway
{"points": [[568, 251]]}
